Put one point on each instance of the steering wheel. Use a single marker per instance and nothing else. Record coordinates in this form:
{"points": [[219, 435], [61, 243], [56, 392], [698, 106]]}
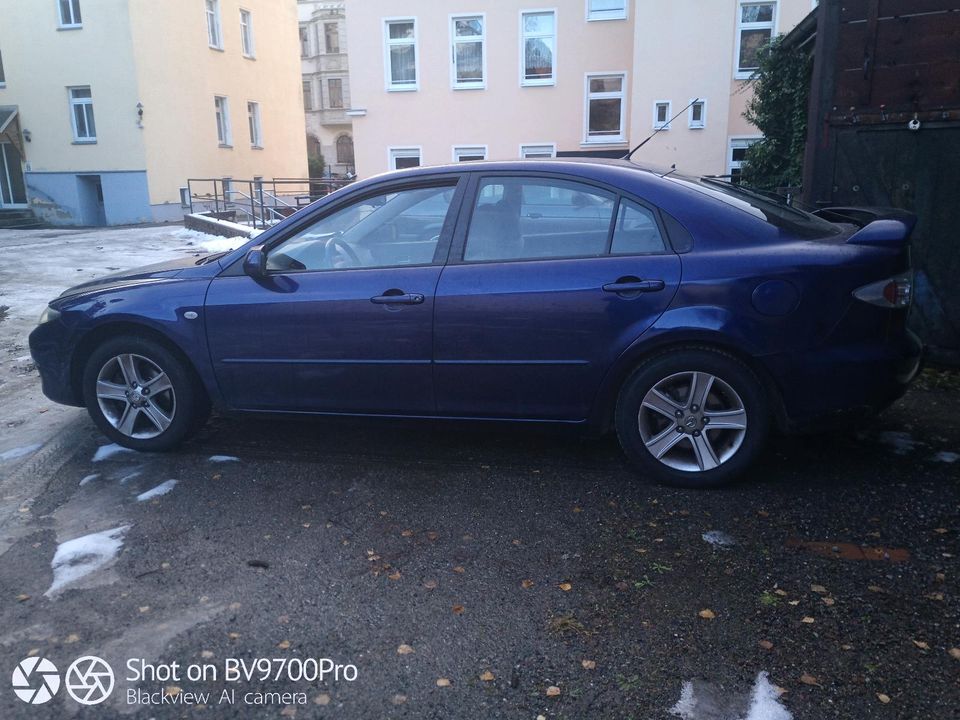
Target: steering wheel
{"points": [[334, 245]]}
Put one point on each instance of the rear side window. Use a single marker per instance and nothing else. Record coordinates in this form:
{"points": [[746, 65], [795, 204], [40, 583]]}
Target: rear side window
{"points": [[530, 218], [636, 231]]}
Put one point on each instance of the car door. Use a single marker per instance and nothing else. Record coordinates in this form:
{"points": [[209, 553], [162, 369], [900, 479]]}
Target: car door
{"points": [[548, 282], [341, 320]]}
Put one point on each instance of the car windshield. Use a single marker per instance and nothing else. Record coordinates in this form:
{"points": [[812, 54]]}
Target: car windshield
{"points": [[776, 212]]}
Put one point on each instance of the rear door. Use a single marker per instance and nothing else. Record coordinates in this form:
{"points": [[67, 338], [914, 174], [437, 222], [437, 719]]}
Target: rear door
{"points": [[550, 279]]}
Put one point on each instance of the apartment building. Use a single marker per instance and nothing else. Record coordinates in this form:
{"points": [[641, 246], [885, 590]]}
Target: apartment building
{"points": [[326, 84], [107, 107], [435, 81]]}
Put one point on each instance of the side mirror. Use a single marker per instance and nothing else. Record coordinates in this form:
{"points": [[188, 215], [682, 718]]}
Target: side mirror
{"points": [[255, 262]]}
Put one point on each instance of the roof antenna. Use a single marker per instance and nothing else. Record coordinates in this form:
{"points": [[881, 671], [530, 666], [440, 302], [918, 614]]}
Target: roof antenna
{"points": [[662, 127]]}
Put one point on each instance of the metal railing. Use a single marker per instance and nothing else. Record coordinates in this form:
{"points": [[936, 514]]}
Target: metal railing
{"points": [[259, 202]]}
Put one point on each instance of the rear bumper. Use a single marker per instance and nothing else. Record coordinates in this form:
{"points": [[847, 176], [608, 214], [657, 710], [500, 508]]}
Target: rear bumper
{"points": [[857, 378], [50, 353]]}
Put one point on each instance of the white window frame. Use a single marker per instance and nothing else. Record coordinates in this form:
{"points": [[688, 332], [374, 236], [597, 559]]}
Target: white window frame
{"points": [[524, 81], [387, 43], [70, 23], [403, 151], [222, 110], [214, 26], [599, 15], [460, 150], [741, 26], [538, 149], [255, 124], [657, 104], [587, 96], [482, 85], [248, 42], [737, 142], [86, 103], [693, 124]]}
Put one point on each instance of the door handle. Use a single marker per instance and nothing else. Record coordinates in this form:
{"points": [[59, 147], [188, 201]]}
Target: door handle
{"points": [[398, 298], [634, 285]]}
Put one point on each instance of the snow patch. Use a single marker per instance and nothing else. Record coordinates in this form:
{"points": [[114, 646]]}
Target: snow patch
{"points": [[89, 478], [130, 476], [77, 558], [108, 451], [223, 458], [161, 489], [213, 243], [765, 701], [19, 451], [718, 537], [946, 456], [901, 442], [704, 701]]}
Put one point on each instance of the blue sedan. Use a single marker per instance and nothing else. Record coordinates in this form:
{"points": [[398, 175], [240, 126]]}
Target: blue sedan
{"points": [[690, 315]]}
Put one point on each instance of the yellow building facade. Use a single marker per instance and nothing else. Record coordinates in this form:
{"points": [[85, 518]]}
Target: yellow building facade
{"points": [[109, 106]]}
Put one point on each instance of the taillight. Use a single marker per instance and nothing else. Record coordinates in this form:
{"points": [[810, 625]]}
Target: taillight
{"points": [[895, 292]]}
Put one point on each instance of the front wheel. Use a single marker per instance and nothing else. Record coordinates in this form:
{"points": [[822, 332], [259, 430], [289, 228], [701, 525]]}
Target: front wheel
{"points": [[692, 418], [141, 395]]}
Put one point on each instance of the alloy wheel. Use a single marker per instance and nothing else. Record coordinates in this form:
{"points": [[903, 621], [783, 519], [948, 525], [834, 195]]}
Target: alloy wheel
{"points": [[136, 396]]}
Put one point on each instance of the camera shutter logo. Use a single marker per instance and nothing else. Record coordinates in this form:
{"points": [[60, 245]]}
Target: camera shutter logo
{"points": [[35, 680], [89, 680]]}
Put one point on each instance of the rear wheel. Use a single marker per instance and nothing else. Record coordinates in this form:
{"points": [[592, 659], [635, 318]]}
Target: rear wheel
{"points": [[141, 395], [692, 418]]}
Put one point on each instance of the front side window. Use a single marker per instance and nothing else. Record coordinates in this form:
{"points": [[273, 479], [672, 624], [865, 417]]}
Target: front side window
{"points": [[70, 13], [538, 218], [331, 36], [335, 91], [662, 113], [214, 36], [403, 158], [246, 33], [538, 53], [222, 108], [605, 108], [401, 54], [469, 42], [253, 119], [81, 115], [397, 228], [468, 153], [606, 9], [755, 23]]}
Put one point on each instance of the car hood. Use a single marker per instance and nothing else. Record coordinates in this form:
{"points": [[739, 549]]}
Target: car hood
{"points": [[157, 272]]}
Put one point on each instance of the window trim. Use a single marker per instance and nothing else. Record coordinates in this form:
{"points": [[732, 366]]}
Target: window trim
{"points": [[74, 10], [246, 33], [739, 74], [217, 24], [326, 47], [74, 102], [604, 15], [227, 140], [538, 82], [393, 154], [463, 149], [387, 42], [552, 146], [330, 105], [656, 120], [691, 123], [256, 139], [738, 141], [309, 83], [607, 139], [451, 27]]}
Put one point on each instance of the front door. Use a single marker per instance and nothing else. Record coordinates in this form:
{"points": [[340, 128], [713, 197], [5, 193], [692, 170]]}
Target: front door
{"points": [[551, 281], [342, 321], [13, 191]]}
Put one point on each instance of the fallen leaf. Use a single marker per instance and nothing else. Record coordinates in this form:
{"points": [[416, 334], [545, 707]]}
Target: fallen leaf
{"points": [[321, 699], [808, 679], [144, 608], [818, 589], [407, 533], [846, 647], [707, 614], [234, 606], [954, 653], [443, 682], [940, 577], [33, 651], [828, 601], [940, 531], [394, 576], [404, 649], [283, 644], [206, 654], [938, 596], [306, 507], [921, 644], [430, 584], [306, 525], [233, 635], [71, 638], [808, 620], [588, 664], [458, 609], [793, 602], [398, 699], [459, 569], [566, 587], [172, 690], [875, 588], [763, 513], [283, 619], [289, 711], [487, 676], [780, 592], [526, 584], [576, 510], [23, 597], [766, 644], [883, 697], [432, 535], [553, 691]]}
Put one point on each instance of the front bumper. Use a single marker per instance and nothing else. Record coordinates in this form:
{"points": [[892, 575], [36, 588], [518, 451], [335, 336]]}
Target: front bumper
{"points": [[51, 354]]}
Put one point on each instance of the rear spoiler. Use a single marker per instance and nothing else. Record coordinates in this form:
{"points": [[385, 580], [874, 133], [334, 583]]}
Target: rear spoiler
{"points": [[878, 225]]}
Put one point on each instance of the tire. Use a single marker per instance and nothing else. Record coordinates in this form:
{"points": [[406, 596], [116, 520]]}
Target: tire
{"points": [[141, 395], [716, 442]]}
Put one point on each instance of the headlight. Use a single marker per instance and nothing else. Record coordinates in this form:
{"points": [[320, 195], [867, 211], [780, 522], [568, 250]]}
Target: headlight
{"points": [[48, 315]]}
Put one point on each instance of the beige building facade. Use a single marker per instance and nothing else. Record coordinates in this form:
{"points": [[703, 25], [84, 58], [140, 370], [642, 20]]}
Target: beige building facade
{"points": [[435, 82], [111, 105]]}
